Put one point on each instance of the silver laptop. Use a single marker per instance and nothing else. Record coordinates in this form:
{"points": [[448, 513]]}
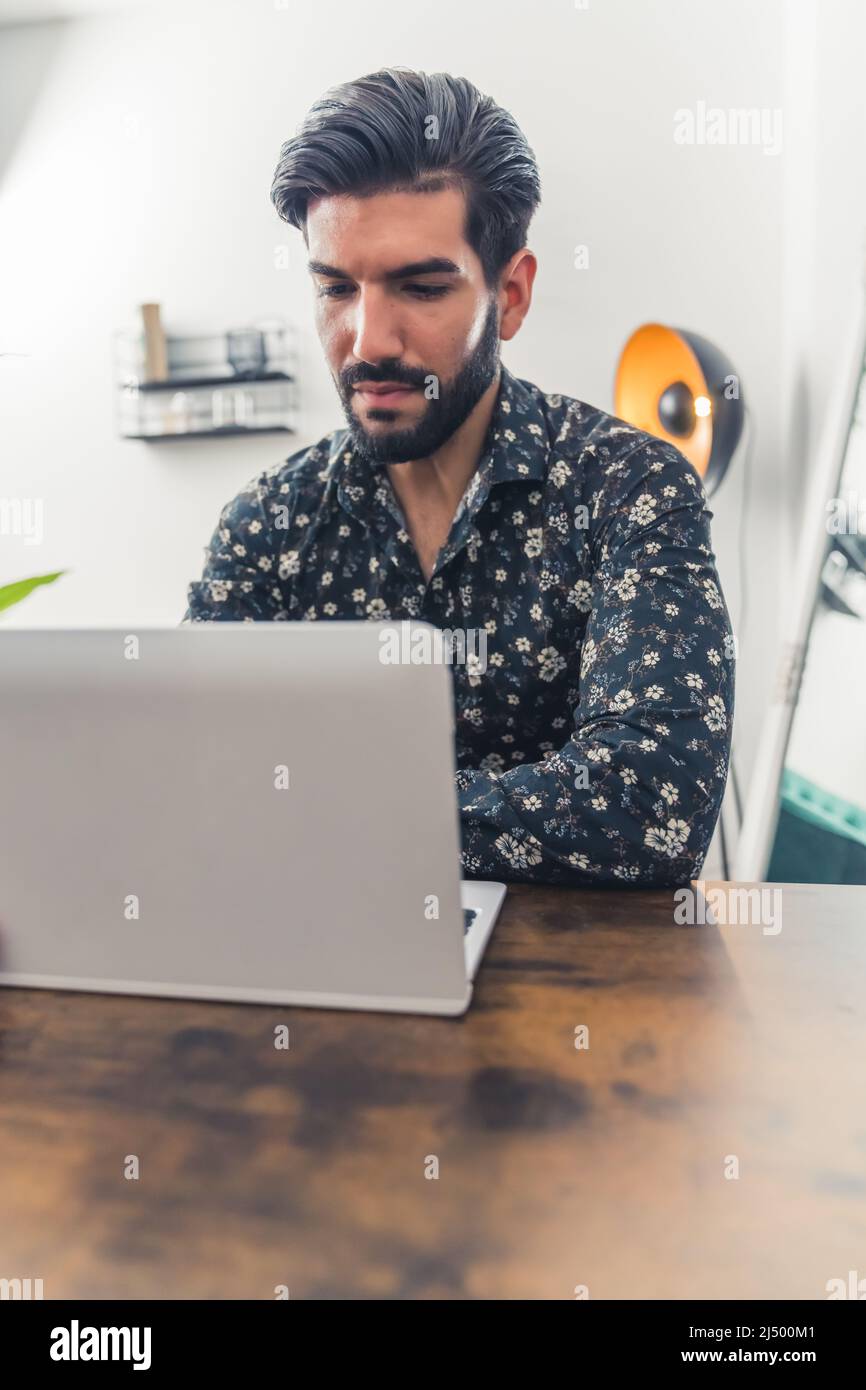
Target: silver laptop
{"points": [[262, 812]]}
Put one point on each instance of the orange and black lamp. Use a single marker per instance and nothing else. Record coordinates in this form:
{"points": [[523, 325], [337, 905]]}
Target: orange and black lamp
{"points": [[681, 388]]}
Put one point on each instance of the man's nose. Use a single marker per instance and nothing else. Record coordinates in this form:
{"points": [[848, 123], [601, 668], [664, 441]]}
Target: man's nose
{"points": [[377, 333]]}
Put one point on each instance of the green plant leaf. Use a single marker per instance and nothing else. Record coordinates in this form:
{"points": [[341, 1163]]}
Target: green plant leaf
{"points": [[14, 593]]}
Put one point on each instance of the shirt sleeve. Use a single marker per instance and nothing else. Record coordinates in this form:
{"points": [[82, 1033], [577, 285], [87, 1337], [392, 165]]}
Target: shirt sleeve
{"points": [[634, 794], [242, 569]]}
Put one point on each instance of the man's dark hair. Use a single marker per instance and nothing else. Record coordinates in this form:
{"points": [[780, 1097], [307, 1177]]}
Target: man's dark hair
{"points": [[399, 130]]}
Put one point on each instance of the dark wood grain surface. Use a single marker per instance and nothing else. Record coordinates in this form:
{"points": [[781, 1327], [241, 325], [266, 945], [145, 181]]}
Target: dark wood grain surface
{"points": [[602, 1167]]}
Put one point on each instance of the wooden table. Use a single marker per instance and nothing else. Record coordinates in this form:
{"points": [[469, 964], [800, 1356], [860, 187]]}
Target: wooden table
{"points": [[559, 1167]]}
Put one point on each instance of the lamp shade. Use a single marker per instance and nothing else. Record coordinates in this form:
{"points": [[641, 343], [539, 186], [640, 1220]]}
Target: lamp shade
{"points": [[679, 387]]}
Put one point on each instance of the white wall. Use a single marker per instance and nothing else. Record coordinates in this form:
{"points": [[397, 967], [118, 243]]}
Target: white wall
{"points": [[135, 165], [837, 274]]}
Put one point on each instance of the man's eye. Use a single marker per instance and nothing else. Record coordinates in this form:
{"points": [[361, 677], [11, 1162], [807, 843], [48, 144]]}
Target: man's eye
{"points": [[334, 291], [428, 291]]}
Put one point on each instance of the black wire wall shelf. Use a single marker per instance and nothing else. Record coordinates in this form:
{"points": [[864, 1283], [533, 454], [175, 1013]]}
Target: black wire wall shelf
{"points": [[209, 386]]}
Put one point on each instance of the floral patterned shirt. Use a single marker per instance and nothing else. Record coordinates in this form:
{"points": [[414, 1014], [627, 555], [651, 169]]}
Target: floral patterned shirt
{"points": [[592, 745]]}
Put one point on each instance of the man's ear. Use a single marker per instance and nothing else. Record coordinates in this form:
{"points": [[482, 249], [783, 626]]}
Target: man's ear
{"points": [[515, 292]]}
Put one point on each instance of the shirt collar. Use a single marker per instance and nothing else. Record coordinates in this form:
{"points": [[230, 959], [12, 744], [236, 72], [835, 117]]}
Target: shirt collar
{"points": [[517, 445]]}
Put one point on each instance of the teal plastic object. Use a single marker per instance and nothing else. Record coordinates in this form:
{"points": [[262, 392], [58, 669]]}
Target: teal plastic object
{"points": [[819, 837]]}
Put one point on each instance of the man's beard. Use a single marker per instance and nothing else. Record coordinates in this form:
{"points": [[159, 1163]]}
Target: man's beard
{"points": [[443, 416]]}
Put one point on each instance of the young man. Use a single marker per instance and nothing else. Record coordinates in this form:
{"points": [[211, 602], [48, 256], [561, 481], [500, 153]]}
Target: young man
{"points": [[593, 745]]}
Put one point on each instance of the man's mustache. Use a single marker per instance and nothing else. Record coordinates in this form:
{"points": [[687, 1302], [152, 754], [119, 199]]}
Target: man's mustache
{"points": [[390, 370]]}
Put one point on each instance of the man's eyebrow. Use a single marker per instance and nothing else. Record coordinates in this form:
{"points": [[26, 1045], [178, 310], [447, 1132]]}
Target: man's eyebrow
{"points": [[434, 265], [319, 268]]}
